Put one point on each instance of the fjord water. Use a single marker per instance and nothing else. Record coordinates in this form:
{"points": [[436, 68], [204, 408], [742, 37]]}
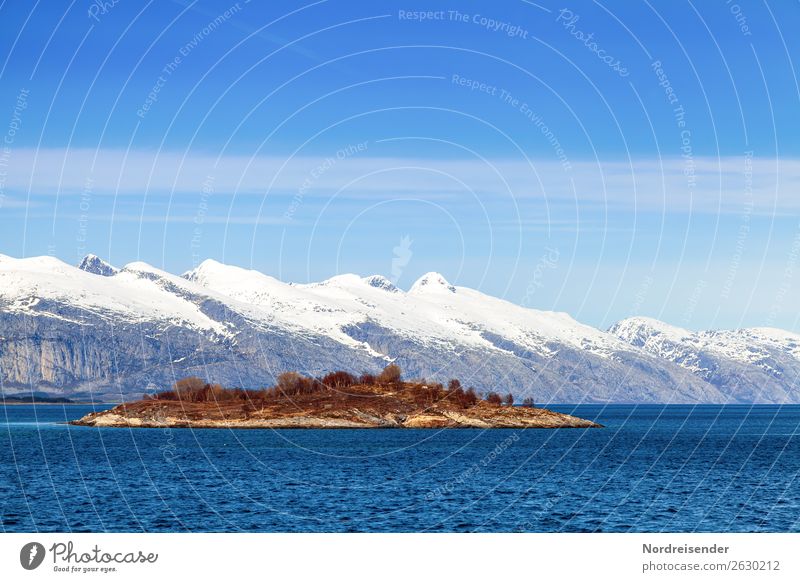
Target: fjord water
{"points": [[653, 468]]}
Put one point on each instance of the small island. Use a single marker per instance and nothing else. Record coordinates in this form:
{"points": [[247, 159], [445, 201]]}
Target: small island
{"points": [[336, 400]]}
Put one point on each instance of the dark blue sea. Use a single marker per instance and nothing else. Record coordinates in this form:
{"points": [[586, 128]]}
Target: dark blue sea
{"points": [[653, 468]]}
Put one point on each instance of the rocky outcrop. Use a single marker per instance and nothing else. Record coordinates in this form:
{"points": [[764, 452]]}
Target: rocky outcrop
{"points": [[96, 265]]}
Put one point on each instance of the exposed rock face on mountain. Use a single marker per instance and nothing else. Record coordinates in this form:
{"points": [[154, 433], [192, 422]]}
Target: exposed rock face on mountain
{"points": [[114, 334], [96, 265], [747, 365]]}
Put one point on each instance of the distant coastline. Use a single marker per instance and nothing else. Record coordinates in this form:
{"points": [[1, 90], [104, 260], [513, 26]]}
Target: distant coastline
{"points": [[37, 400]]}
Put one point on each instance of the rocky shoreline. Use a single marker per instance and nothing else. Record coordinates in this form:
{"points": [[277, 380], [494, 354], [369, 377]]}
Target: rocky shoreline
{"points": [[160, 414]]}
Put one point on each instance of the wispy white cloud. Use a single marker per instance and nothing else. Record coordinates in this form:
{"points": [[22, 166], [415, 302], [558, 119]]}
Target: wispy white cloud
{"points": [[728, 184], [174, 218], [7, 202]]}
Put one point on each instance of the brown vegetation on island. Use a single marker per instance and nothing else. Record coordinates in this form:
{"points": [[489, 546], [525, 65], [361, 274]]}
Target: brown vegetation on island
{"points": [[294, 385]]}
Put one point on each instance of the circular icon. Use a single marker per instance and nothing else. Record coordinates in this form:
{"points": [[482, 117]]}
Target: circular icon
{"points": [[31, 555]]}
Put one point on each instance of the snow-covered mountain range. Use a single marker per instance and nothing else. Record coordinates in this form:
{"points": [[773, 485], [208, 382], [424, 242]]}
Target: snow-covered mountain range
{"points": [[116, 333], [748, 365]]}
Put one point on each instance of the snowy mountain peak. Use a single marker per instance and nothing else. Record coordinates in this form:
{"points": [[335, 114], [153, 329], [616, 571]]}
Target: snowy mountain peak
{"points": [[381, 282], [638, 330], [210, 264], [432, 282], [215, 266], [208, 267], [97, 266]]}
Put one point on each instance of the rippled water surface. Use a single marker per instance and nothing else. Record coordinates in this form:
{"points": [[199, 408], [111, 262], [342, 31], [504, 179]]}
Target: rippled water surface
{"points": [[653, 468]]}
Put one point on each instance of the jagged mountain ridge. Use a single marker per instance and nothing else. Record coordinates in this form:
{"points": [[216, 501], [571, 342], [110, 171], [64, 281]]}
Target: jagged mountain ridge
{"points": [[114, 333], [752, 365]]}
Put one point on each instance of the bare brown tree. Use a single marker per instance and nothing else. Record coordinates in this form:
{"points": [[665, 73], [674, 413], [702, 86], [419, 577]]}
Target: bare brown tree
{"points": [[391, 374], [494, 398]]}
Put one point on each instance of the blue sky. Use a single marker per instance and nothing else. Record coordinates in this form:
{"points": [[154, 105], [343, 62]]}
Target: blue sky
{"points": [[606, 159]]}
